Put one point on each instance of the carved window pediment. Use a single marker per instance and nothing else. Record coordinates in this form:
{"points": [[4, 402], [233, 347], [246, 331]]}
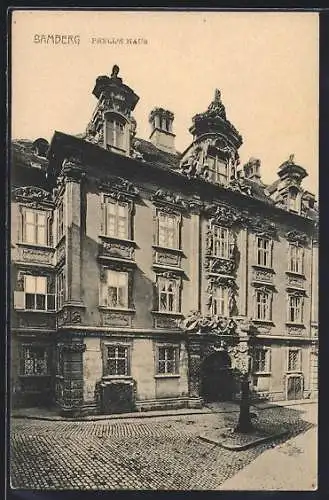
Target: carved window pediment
{"points": [[118, 188], [297, 237], [33, 196]]}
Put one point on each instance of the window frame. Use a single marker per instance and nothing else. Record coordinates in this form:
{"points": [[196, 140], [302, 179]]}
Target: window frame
{"points": [[36, 214], [215, 174], [296, 262], [263, 254], [107, 358], [117, 122], [224, 300], [299, 360], [176, 299], [60, 217], [176, 230], [105, 285], [175, 360], [24, 348], [60, 292], [291, 308], [267, 360], [221, 241], [106, 202], [35, 294], [269, 297]]}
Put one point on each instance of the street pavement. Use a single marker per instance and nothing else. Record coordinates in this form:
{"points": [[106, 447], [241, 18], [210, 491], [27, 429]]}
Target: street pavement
{"points": [[290, 466], [156, 453]]}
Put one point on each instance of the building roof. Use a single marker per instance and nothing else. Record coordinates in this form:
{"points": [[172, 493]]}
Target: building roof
{"points": [[152, 154]]}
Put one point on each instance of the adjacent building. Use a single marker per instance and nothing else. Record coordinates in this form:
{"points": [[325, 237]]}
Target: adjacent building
{"points": [[144, 278]]}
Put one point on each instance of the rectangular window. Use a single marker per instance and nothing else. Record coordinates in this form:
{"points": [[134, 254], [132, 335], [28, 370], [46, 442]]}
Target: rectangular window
{"points": [[219, 303], [261, 360], [115, 289], [168, 360], [263, 252], [295, 311], [263, 305], [115, 134], [168, 230], [60, 221], [168, 291], [220, 242], [116, 222], [35, 227], [117, 362], [296, 254], [35, 360], [294, 360], [36, 296], [217, 170], [60, 289]]}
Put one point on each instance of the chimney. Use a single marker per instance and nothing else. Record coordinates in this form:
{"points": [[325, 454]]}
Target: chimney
{"points": [[251, 170], [162, 135]]}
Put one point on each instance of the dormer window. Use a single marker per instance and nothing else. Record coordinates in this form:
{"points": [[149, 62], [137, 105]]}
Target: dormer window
{"points": [[217, 170], [293, 200], [116, 133]]}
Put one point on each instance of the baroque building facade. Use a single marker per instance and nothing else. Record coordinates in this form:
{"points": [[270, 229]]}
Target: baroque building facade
{"points": [[143, 278]]}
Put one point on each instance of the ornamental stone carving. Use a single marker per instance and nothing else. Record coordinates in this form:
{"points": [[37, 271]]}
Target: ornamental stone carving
{"points": [[68, 316], [74, 348], [40, 256], [166, 258], [120, 250], [224, 215], [216, 281], [262, 275], [38, 320], [166, 197], [166, 322], [240, 357], [198, 323], [119, 319], [118, 188], [60, 252], [72, 170], [261, 226], [295, 281], [297, 237], [219, 266], [32, 196], [295, 330]]}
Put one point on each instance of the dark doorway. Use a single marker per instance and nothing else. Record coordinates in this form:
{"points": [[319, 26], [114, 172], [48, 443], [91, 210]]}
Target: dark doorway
{"points": [[295, 388], [216, 377]]}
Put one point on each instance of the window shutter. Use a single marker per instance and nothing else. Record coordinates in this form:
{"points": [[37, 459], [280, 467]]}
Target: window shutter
{"points": [[156, 228], [178, 231], [49, 230], [156, 296], [103, 215], [19, 300], [21, 228]]}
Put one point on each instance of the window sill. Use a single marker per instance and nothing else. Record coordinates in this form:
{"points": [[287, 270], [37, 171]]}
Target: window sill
{"points": [[168, 313], [169, 249], [35, 311], [113, 378], [293, 323], [35, 245], [264, 268], [260, 374], [294, 372], [117, 309], [167, 375], [60, 240], [263, 321], [117, 239], [35, 375], [294, 273]]}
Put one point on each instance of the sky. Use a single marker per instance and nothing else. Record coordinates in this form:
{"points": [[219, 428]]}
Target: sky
{"points": [[265, 64]]}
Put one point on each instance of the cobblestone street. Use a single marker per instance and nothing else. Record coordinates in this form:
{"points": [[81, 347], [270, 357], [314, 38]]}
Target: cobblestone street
{"points": [[142, 453]]}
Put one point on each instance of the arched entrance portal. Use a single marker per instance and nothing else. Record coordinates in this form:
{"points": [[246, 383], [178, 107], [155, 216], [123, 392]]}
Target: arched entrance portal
{"points": [[216, 377]]}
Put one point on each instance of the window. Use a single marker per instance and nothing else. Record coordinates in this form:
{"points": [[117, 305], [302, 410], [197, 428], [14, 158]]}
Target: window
{"points": [[168, 290], [35, 227], [115, 289], [295, 309], [168, 230], [294, 360], [219, 302], [117, 361], [115, 133], [263, 305], [60, 289], [220, 242], [60, 221], [263, 252], [217, 170], [115, 219], [35, 360], [261, 360], [293, 200], [296, 257], [36, 296], [167, 360]]}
